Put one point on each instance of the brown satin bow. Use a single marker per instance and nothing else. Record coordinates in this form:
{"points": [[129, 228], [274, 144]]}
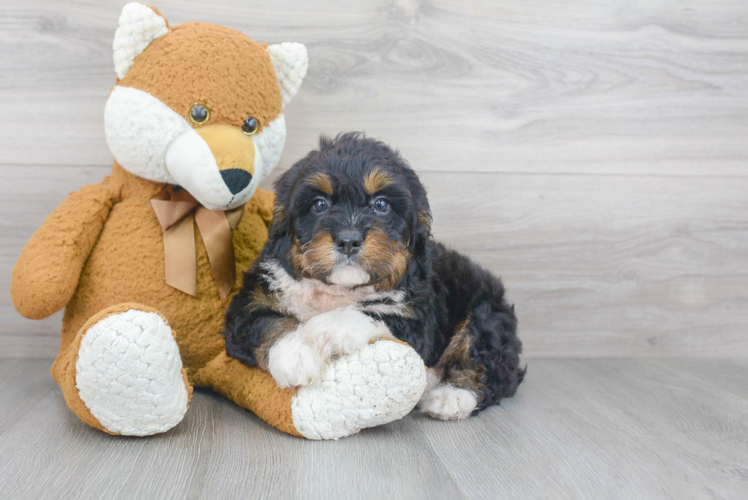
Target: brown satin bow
{"points": [[175, 210]]}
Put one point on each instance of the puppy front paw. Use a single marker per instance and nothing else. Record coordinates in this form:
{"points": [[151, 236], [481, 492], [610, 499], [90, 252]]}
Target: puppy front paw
{"points": [[292, 362], [342, 331], [447, 402]]}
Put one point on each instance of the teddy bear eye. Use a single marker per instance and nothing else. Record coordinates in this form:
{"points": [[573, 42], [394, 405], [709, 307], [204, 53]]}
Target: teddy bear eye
{"points": [[250, 125], [199, 114]]}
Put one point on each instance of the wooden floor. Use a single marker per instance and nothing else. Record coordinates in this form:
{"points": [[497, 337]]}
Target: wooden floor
{"points": [[576, 429]]}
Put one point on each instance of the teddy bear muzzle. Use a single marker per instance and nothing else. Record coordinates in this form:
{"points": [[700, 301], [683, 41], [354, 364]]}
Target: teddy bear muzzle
{"points": [[216, 164]]}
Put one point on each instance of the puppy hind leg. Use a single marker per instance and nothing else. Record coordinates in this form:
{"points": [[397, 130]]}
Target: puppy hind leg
{"points": [[447, 402], [496, 349], [454, 384], [480, 366]]}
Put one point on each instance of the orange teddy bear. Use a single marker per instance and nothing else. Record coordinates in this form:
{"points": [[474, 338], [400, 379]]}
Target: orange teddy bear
{"points": [[145, 262]]}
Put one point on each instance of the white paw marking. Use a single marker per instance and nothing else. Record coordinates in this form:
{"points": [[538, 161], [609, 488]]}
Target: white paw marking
{"points": [[342, 331], [129, 374], [292, 362], [448, 402], [433, 379]]}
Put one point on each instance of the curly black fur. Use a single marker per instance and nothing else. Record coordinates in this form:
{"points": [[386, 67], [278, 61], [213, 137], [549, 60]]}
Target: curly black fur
{"points": [[458, 319]]}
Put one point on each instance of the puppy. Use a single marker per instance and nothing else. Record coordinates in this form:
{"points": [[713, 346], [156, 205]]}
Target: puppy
{"points": [[349, 260]]}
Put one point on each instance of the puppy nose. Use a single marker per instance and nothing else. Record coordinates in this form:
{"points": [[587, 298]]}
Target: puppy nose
{"points": [[349, 242], [236, 179]]}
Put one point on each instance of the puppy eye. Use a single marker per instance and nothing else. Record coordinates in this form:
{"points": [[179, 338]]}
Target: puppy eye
{"points": [[381, 205], [319, 205], [250, 125], [199, 114]]}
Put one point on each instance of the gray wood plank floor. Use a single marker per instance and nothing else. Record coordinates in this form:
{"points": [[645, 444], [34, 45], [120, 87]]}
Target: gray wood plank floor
{"points": [[594, 154], [576, 429]]}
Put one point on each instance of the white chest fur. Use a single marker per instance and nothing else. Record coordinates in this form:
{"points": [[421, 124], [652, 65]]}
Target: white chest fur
{"points": [[307, 298]]}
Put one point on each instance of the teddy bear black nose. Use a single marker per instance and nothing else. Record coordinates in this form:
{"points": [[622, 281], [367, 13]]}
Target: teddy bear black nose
{"points": [[349, 242], [236, 179]]}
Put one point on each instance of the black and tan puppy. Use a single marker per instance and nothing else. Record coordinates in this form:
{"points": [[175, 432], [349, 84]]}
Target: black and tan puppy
{"points": [[349, 260]]}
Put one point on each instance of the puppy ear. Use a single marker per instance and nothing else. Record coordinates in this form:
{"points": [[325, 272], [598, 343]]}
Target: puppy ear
{"points": [[279, 226], [421, 220], [284, 187], [279, 240], [423, 229]]}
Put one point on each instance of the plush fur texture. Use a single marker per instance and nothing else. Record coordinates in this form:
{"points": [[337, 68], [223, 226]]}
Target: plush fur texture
{"points": [[351, 235]]}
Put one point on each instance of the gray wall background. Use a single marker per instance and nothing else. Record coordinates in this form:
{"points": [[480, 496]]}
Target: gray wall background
{"points": [[594, 154]]}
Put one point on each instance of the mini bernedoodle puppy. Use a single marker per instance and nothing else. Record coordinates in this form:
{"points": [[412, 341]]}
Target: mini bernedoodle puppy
{"points": [[350, 259]]}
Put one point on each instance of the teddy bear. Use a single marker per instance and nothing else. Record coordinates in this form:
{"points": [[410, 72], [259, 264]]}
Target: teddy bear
{"points": [[146, 262]]}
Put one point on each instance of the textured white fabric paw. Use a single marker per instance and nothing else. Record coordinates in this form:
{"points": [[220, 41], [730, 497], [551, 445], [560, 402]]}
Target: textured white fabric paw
{"points": [[129, 374], [375, 385], [293, 363], [448, 402], [342, 331]]}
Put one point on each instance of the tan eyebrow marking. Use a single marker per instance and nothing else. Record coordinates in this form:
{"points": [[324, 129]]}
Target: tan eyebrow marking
{"points": [[322, 182], [376, 180]]}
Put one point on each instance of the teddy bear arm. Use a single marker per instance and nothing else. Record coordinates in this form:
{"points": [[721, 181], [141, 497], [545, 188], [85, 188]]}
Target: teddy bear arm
{"points": [[47, 272]]}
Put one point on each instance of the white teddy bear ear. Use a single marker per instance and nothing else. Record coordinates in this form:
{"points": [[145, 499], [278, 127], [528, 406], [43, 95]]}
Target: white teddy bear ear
{"points": [[290, 61], [139, 25]]}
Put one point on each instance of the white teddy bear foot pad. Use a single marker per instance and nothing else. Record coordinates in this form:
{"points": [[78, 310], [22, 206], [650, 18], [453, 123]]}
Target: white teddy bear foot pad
{"points": [[375, 385], [129, 374]]}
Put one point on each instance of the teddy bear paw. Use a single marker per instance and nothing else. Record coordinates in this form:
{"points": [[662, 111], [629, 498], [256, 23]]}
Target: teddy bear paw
{"points": [[379, 383], [129, 374]]}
